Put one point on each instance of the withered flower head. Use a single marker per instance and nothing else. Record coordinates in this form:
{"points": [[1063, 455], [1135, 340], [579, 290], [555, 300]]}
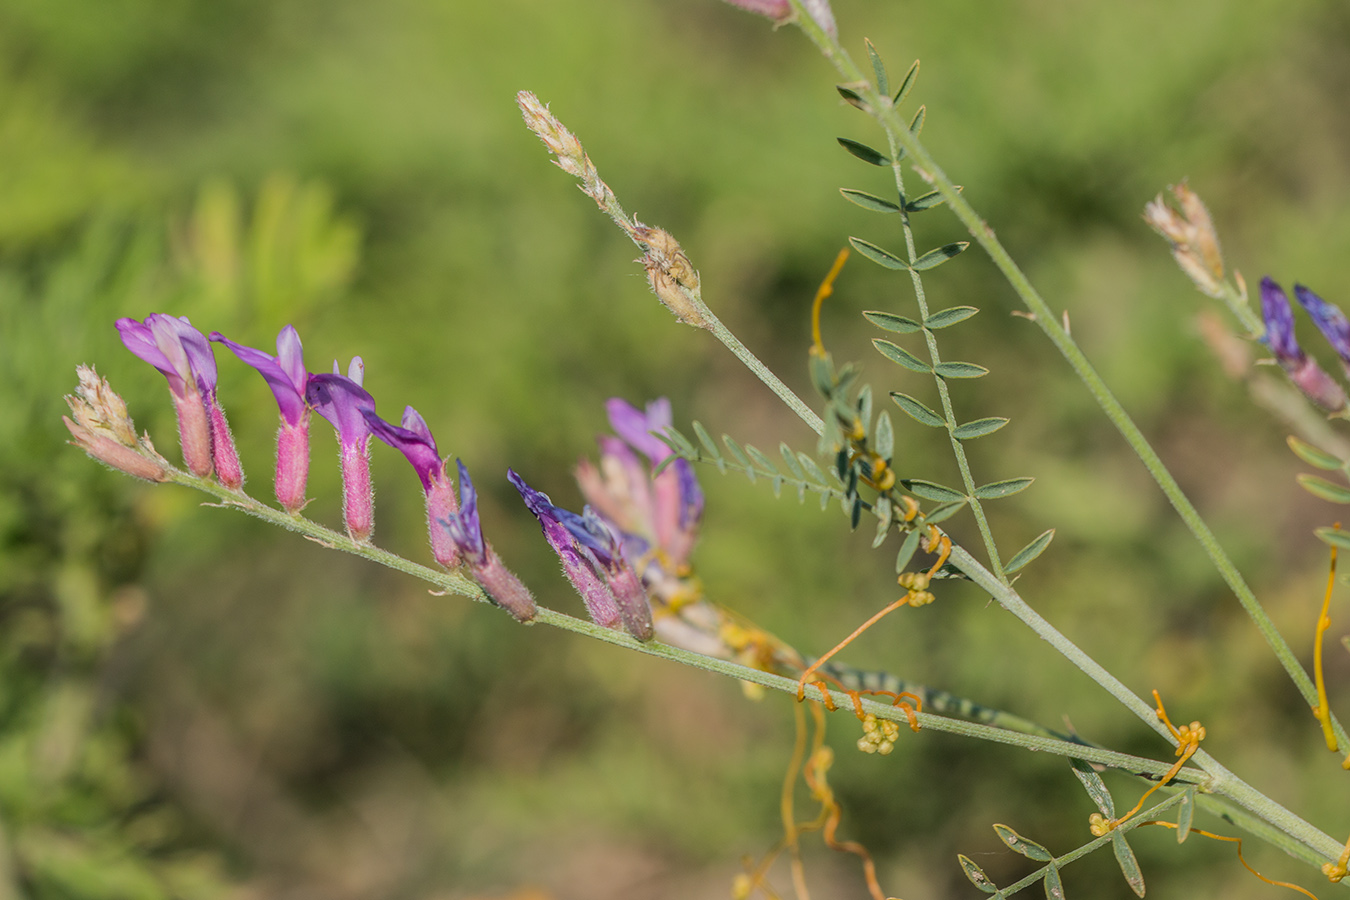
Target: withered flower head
{"points": [[1190, 232]]}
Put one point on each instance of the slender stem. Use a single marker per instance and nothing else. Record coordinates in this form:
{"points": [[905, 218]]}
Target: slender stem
{"points": [[761, 371]]}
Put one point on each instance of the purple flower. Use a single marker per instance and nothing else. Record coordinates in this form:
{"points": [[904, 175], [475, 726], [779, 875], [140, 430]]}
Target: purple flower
{"points": [[580, 567], [414, 441], [1329, 320], [659, 513], [183, 355], [285, 374], [595, 546], [343, 402], [1304, 372], [466, 531]]}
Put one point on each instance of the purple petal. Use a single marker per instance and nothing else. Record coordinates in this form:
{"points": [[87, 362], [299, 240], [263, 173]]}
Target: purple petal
{"points": [[691, 495], [200, 357], [465, 528], [1328, 318], [636, 427], [341, 401], [285, 373], [1279, 319], [414, 443]]}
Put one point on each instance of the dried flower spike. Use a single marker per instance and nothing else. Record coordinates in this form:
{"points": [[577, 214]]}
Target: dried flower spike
{"points": [[103, 429], [1190, 232]]}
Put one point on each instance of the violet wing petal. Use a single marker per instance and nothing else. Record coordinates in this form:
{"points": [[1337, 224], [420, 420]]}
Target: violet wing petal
{"points": [[290, 400], [471, 540], [636, 427], [420, 451], [341, 401], [1328, 318], [1279, 319]]}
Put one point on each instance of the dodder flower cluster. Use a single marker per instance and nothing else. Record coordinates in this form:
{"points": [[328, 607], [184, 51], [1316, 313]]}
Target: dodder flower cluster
{"points": [[634, 536]]}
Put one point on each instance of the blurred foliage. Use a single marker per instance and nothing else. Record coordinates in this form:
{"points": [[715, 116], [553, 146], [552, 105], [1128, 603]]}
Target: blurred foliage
{"points": [[195, 706]]}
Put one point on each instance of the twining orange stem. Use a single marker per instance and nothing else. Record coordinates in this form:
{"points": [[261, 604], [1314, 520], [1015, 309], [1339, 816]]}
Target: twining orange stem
{"points": [[832, 813], [1323, 710], [822, 293], [901, 700], [1188, 741], [1236, 840], [811, 669]]}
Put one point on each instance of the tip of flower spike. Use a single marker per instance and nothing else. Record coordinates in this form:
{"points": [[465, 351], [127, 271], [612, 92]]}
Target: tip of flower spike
{"points": [[103, 429]]}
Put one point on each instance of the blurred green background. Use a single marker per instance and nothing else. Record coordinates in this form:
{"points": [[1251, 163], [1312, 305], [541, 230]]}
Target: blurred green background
{"points": [[193, 705]]}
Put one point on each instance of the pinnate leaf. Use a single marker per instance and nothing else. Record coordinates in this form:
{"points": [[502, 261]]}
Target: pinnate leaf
{"points": [[934, 258], [1096, 788], [1333, 536], [907, 83], [864, 152], [950, 316], [898, 354], [976, 874], [881, 257], [869, 201], [929, 490], [878, 68], [1129, 866], [1028, 848], [1054, 887], [996, 489], [944, 512], [960, 370], [1185, 813], [1028, 553], [1327, 490], [917, 411], [978, 428], [1314, 456], [907, 550], [891, 322]]}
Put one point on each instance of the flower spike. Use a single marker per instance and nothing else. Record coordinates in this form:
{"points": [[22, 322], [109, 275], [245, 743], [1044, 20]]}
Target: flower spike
{"points": [[184, 357], [342, 401], [415, 442], [465, 529], [1304, 372], [285, 374]]}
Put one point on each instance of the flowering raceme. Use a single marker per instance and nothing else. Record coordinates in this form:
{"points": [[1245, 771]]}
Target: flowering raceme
{"points": [[184, 357]]}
